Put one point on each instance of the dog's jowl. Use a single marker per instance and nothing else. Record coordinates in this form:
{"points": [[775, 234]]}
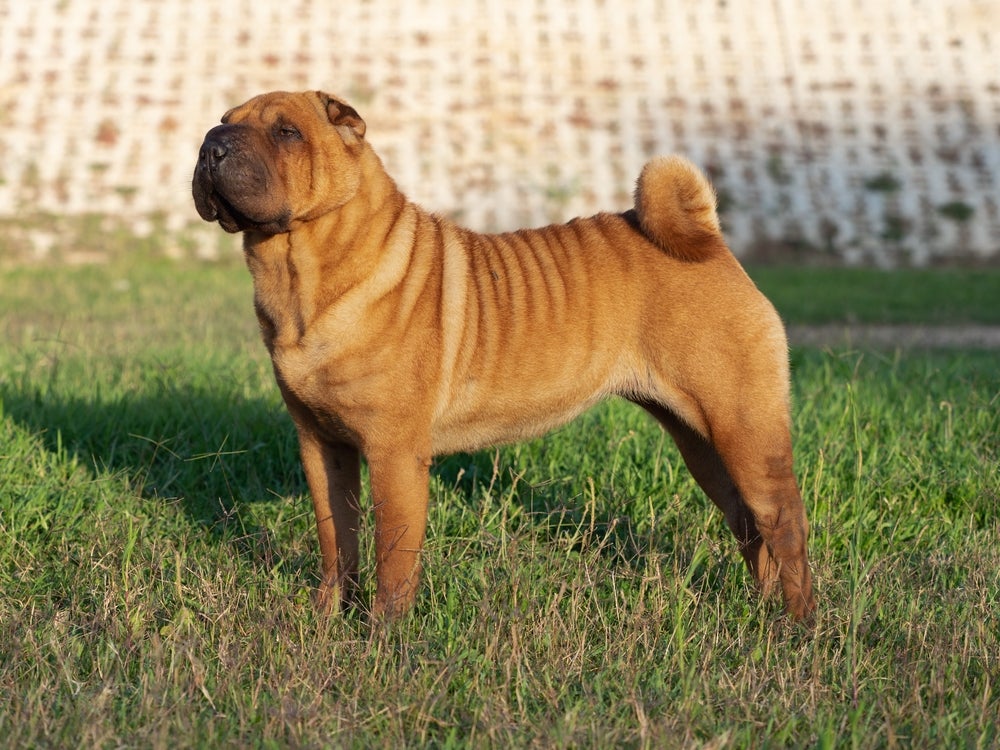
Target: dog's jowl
{"points": [[397, 335]]}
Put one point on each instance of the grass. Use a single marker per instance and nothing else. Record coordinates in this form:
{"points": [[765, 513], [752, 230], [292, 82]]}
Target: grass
{"points": [[157, 549], [861, 295]]}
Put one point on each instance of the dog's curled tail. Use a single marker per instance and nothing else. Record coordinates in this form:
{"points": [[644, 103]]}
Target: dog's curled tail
{"points": [[675, 205]]}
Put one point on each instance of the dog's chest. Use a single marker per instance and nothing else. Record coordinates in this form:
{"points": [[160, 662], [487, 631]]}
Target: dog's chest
{"points": [[312, 391]]}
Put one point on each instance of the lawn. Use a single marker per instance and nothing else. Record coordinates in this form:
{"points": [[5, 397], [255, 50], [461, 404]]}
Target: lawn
{"points": [[157, 547]]}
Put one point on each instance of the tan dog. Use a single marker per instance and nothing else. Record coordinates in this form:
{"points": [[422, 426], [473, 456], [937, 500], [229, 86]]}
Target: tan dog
{"points": [[398, 334]]}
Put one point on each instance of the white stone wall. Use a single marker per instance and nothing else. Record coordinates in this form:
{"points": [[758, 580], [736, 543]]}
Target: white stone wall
{"points": [[859, 130]]}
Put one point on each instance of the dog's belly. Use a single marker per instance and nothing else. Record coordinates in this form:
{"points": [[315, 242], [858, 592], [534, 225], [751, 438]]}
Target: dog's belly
{"points": [[509, 417], [519, 397]]}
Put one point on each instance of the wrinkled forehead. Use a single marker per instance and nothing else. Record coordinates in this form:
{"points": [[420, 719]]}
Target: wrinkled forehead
{"points": [[276, 106]]}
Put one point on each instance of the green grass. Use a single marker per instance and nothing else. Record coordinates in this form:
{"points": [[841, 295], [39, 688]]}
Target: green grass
{"points": [[863, 295], [157, 550]]}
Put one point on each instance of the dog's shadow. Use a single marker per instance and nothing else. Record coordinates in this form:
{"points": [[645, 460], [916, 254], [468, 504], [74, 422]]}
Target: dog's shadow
{"points": [[592, 519], [565, 511], [211, 451], [206, 451]]}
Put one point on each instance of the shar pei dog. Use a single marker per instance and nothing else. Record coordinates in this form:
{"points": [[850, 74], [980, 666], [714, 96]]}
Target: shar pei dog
{"points": [[397, 335]]}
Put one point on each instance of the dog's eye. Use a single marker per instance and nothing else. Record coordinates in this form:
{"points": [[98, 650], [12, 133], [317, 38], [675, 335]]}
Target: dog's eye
{"points": [[288, 132]]}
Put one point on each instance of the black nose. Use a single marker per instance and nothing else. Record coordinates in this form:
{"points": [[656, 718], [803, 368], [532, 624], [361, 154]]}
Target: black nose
{"points": [[215, 148]]}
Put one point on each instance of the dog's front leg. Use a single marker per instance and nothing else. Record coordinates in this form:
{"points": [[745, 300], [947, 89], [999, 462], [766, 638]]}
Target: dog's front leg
{"points": [[399, 480], [333, 472]]}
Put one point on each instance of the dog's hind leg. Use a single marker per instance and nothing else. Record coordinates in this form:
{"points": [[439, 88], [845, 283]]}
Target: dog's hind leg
{"points": [[759, 498], [757, 453], [706, 466]]}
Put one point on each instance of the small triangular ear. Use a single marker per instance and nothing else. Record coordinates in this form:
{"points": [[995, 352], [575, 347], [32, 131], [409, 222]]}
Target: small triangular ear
{"points": [[343, 116]]}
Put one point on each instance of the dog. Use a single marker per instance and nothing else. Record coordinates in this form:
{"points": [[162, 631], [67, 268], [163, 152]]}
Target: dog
{"points": [[397, 335]]}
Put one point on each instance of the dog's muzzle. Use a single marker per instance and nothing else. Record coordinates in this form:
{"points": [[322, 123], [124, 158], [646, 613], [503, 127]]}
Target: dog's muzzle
{"points": [[232, 184]]}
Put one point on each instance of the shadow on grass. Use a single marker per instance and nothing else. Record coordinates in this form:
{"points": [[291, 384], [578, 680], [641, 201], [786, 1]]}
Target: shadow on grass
{"points": [[211, 451], [576, 515], [207, 452]]}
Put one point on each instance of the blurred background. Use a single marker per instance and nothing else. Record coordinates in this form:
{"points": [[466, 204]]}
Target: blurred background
{"points": [[849, 132]]}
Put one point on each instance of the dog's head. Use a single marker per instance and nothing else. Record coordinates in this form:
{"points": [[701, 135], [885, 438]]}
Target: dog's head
{"points": [[279, 159]]}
